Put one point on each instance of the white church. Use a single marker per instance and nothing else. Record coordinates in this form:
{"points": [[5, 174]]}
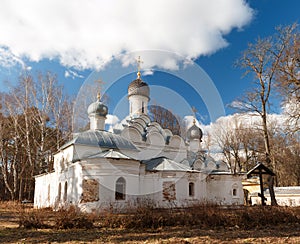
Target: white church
{"points": [[140, 163]]}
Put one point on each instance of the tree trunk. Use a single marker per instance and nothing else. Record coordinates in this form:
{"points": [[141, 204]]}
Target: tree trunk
{"points": [[271, 190], [21, 190], [8, 187]]}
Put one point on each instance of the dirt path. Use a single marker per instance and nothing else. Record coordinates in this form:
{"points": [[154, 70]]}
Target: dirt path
{"points": [[283, 234]]}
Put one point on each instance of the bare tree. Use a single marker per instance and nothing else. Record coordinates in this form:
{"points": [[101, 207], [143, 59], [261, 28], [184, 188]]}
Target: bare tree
{"points": [[262, 59], [288, 75], [236, 140], [35, 121], [166, 119]]}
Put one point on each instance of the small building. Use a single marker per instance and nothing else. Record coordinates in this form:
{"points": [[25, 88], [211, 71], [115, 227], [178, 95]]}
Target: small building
{"points": [[141, 162], [285, 196]]}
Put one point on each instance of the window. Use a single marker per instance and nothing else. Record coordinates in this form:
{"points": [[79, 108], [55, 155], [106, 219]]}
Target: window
{"points": [[120, 189], [59, 192], [191, 189], [143, 109], [234, 190], [65, 191]]}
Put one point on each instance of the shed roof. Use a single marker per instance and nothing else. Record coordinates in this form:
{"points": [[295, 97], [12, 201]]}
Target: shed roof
{"points": [[260, 169], [165, 164], [110, 154]]}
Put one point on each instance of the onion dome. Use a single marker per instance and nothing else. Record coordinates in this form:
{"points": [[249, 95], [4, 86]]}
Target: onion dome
{"points": [[138, 87], [98, 108], [194, 132]]}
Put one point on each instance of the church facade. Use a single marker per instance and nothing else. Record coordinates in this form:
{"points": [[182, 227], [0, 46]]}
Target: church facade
{"points": [[140, 163]]}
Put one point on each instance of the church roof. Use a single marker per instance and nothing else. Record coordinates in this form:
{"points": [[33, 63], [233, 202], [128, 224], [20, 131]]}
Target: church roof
{"points": [[138, 87], [110, 154], [194, 132], [102, 139], [165, 164]]}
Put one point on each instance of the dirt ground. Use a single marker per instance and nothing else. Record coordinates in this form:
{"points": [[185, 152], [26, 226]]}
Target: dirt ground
{"points": [[11, 233]]}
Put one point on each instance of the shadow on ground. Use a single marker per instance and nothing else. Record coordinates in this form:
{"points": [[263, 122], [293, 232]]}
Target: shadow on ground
{"points": [[171, 235]]}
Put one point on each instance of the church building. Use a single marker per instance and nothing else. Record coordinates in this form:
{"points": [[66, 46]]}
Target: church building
{"points": [[140, 163]]}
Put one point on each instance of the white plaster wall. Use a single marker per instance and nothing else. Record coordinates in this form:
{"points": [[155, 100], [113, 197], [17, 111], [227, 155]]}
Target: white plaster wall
{"points": [[63, 158], [142, 185], [220, 189], [107, 172], [136, 103], [195, 145], [285, 200], [41, 190]]}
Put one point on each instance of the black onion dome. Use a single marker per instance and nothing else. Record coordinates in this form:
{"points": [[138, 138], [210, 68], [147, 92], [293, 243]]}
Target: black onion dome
{"points": [[98, 108], [138, 87], [194, 132]]}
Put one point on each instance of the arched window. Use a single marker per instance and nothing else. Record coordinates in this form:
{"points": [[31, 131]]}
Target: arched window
{"points": [[120, 193], [143, 107], [234, 190], [66, 191], [191, 189], [59, 192]]}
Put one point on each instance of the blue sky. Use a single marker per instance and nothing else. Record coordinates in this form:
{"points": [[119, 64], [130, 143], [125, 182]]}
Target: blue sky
{"points": [[215, 51]]}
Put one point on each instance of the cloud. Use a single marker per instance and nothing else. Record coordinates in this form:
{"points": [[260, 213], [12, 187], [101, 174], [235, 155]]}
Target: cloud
{"points": [[8, 59], [111, 119], [189, 121], [86, 34], [72, 74]]}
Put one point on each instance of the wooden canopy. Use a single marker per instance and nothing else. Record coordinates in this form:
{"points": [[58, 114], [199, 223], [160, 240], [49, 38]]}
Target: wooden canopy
{"points": [[260, 170]]}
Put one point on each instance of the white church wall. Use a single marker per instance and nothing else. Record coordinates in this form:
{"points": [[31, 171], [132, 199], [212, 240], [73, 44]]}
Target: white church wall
{"points": [[150, 189], [138, 104], [74, 183], [225, 189], [194, 145], [171, 189], [63, 159], [44, 192], [106, 172]]}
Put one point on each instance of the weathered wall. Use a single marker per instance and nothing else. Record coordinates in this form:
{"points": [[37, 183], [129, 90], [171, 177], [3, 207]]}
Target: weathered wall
{"points": [[225, 189]]}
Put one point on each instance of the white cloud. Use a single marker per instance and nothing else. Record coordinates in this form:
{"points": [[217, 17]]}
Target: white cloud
{"points": [[8, 59], [189, 121], [111, 119], [85, 34], [72, 74], [148, 72]]}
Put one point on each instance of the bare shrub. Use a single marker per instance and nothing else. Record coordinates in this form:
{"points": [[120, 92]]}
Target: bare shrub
{"points": [[200, 215], [73, 218], [32, 219], [267, 216]]}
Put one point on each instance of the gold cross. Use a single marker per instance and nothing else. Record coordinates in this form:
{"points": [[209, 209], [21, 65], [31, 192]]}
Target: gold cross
{"points": [[99, 83], [194, 111], [139, 61]]}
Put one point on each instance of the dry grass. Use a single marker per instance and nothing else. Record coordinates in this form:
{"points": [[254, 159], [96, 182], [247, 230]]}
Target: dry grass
{"points": [[201, 223], [202, 216]]}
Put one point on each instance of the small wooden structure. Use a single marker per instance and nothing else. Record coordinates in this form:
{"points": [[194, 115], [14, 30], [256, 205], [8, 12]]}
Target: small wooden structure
{"points": [[260, 170]]}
